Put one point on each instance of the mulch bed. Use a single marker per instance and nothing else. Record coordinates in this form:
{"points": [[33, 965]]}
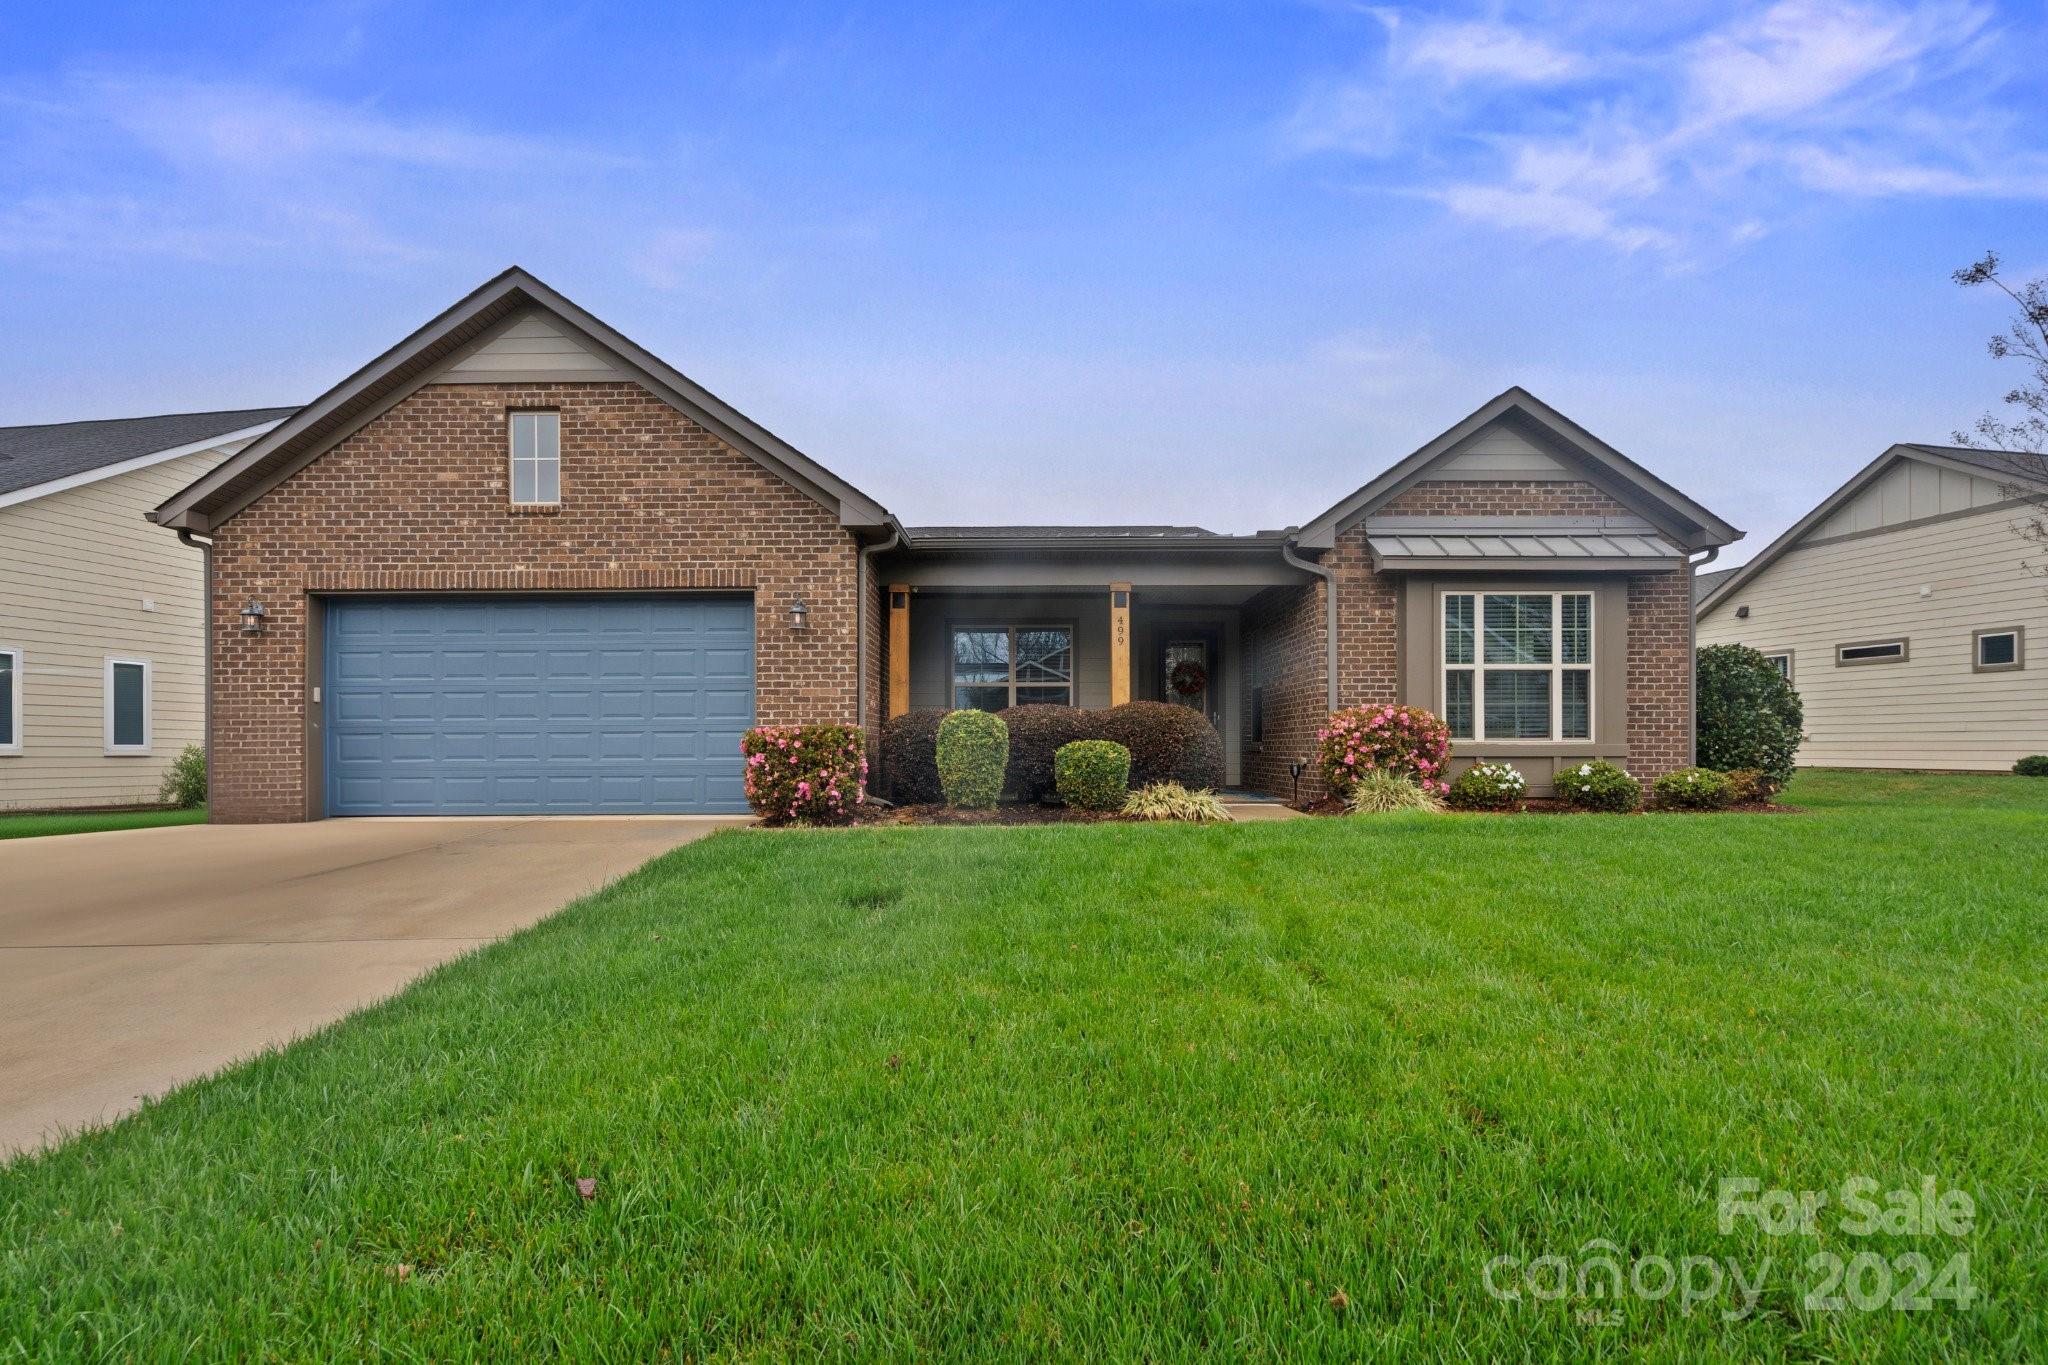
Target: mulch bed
{"points": [[1548, 805]]}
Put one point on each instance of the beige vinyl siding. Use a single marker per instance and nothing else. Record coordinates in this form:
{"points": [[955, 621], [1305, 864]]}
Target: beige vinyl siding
{"points": [[75, 570], [1931, 710]]}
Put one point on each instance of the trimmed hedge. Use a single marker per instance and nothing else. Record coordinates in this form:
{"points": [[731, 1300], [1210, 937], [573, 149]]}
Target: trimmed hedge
{"points": [[1694, 789], [1599, 785], [2033, 765], [1092, 774], [973, 750], [1167, 743], [910, 757], [1036, 734], [805, 772], [1749, 716]]}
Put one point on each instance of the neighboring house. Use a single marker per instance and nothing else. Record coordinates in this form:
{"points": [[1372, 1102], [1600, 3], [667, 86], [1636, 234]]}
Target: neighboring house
{"points": [[1901, 609], [517, 563], [102, 641]]}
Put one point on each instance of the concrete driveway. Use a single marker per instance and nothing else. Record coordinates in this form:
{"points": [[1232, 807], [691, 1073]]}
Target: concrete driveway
{"points": [[132, 961]]}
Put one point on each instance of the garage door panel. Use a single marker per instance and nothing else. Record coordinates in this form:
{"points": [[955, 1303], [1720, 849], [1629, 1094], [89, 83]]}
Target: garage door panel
{"points": [[563, 704]]}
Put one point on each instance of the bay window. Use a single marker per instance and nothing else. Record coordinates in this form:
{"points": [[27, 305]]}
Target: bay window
{"points": [[1518, 665], [999, 666]]}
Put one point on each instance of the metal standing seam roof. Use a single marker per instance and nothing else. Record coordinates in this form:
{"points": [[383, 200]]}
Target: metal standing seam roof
{"points": [[1607, 545], [33, 455]]}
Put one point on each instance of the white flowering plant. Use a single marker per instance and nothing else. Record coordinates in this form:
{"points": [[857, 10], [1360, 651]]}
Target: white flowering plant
{"points": [[1599, 785], [1487, 786]]}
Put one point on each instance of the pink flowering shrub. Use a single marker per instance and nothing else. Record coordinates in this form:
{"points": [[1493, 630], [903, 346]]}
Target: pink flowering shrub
{"points": [[1405, 741], [805, 772]]}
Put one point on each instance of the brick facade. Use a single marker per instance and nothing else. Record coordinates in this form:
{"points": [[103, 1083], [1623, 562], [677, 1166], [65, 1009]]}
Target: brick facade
{"points": [[1659, 668], [417, 501], [1282, 635]]}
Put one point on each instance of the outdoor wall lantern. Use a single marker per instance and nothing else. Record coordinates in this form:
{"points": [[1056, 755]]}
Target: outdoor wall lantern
{"points": [[798, 613], [252, 619]]}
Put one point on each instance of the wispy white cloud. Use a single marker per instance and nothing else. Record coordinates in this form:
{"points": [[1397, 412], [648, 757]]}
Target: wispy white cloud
{"points": [[1695, 143]]}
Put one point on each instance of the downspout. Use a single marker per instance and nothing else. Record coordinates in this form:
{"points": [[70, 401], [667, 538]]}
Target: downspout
{"points": [[205, 548], [1322, 571], [860, 621], [1692, 663]]}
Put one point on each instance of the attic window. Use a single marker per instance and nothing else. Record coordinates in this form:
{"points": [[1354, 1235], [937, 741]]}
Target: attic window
{"points": [[1871, 652], [536, 458]]}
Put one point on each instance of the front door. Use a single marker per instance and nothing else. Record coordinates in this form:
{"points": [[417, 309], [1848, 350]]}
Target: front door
{"points": [[1188, 673]]}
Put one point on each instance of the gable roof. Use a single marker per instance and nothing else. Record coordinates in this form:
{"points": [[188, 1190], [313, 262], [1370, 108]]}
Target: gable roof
{"points": [[379, 385], [1705, 582], [1692, 524], [77, 452], [2014, 467]]}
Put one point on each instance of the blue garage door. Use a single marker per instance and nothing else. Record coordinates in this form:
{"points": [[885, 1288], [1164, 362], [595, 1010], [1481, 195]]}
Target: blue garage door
{"points": [[507, 705]]}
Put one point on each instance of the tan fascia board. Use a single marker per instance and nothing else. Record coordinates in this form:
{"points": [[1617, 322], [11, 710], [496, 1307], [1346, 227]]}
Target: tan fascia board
{"points": [[1642, 492], [855, 510]]}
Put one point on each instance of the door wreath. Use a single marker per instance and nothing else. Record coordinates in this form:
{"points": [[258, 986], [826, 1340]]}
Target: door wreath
{"points": [[1188, 678]]}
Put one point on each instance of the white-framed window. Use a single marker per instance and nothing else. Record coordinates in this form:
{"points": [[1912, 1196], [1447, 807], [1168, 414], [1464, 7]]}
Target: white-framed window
{"points": [[1518, 665], [1780, 659], [1872, 652], [126, 684], [536, 439], [10, 700], [999, 666], [1998, 651]]}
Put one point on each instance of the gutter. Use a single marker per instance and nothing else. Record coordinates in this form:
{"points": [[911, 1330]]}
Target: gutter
{"points": [[205, 548], [863, 570], [1323, 572], [1692, 668]]}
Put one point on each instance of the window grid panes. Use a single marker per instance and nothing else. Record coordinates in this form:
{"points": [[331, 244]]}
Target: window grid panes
{"points": [[536, 458], [999, 666], [1532, 678]]}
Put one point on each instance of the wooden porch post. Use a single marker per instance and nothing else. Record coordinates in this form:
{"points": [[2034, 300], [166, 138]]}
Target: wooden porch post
{"points": [[899, 649], [1119, 643]]}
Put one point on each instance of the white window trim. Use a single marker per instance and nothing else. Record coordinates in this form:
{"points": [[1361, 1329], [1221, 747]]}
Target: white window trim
{"points": [[12, 749], [2019, 649], [1556, 668], [111, 749], [1784, 654], [512, 461]]}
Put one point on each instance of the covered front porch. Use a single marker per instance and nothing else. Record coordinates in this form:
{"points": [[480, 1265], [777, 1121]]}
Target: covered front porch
{"points": [[1157, 614]]}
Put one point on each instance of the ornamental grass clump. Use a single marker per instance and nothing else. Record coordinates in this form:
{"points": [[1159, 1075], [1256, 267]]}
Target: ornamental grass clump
{"points": [[1172, 801], [973, 751], [1694, 789], [1384, 793], [805, 773], [1092, 774], [1599, 785], [1405, 741], [1487, 786]]}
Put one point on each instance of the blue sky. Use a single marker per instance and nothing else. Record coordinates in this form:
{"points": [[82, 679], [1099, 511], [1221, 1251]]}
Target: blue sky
{"points": [[1198, 262]]}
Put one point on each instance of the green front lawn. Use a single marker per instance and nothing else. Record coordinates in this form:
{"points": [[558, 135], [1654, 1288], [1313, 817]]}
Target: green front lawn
{"points": [[1267, 1090], [92, 822]]}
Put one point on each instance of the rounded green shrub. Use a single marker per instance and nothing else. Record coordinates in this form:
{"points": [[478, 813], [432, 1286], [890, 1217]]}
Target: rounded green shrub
{"points": [[1168, 743], [1749, 716], [910, 757], [1487, 786], [2033, 765], [1694, 789], [1092, 774], [1383, 793], [1037, 733], [184, 784], [973, 752], [1599, 785]]}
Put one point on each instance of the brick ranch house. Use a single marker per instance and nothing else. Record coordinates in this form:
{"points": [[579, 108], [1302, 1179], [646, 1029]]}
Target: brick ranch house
{"points": [[517, 563]]}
